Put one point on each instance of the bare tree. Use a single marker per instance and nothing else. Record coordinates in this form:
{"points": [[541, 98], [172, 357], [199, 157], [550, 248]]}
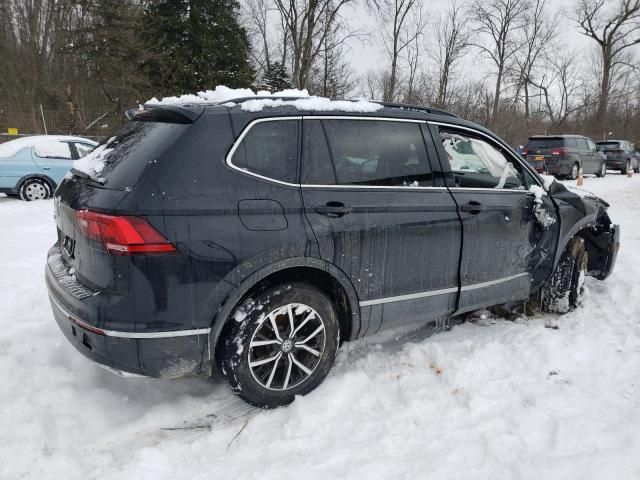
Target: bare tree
{"points": [[306, 23], [401, 22], [451, 43], [257, 13], [501, 22], [539, 33], [558, 88], [615, 33]]}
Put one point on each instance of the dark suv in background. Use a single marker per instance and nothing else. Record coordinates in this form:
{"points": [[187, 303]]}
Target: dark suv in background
{"points": [[564, 155], [250, 238], [621, 155]]}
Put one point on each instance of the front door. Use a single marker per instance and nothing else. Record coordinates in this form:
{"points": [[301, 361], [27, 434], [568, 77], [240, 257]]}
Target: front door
{"points": [[501, 236], [369, 193]]}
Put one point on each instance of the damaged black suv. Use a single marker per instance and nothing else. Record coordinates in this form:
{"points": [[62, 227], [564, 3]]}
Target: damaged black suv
{"points": [[251, 238]]}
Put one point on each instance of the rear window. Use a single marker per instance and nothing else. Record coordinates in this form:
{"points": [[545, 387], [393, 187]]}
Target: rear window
{"points": [[604, 146], [133, 147], [546, 142]]}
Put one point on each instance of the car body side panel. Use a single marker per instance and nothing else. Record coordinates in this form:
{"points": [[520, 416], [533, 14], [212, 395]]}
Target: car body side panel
{"points": [[13, 169], [54, 168]]}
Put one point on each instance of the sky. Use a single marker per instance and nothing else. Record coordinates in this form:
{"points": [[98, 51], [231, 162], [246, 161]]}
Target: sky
{"points": [[366, 53]]}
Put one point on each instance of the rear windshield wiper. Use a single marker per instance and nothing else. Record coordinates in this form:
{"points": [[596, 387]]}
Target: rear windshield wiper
{"points": [[86, 176]]}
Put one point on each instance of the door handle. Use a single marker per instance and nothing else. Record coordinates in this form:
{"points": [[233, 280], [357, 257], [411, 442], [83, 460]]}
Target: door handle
{"points": [[46, 168], [472, 207], [333, 209]]}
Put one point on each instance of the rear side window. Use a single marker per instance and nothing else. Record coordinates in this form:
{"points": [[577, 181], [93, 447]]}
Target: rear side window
{"points": [[378, 152], [270, 149], [582, 144], [317, 168]]}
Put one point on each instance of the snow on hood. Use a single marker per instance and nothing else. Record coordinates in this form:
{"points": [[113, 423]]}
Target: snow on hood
{"points": [[222, 94], [10, 148]]}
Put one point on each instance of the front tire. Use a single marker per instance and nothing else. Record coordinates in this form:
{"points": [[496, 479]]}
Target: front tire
{"points": [[564, 290], [603, 170], [279, 343], [35, 189]]}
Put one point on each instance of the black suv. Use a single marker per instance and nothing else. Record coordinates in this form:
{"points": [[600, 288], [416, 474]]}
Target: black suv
{"points": [[252, 240], [621, 155], [564, 155]]}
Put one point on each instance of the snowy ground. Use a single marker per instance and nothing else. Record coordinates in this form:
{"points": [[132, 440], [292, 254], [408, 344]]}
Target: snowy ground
{"points": [[497, 400]]}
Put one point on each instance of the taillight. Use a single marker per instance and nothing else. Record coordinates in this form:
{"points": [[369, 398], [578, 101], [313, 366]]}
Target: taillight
{"points": [[559, 151], [525, 152], [122, 235]]}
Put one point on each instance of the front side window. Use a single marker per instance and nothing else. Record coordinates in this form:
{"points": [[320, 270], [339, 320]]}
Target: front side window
{"points": [[476, 163], [270, 149], [84, 149], [378, 153]]}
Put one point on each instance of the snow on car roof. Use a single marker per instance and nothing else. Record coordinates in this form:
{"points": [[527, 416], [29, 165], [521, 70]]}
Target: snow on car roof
{"points": [[303, 100], [12, 147], [223, 94]]}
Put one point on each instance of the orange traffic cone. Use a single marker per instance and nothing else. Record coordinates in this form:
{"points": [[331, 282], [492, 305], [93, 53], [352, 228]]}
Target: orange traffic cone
{"points": [[580, 178]]}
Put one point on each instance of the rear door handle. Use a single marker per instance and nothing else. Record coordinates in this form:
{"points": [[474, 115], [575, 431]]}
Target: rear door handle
{"points": [[333, 209], [472, 207]]}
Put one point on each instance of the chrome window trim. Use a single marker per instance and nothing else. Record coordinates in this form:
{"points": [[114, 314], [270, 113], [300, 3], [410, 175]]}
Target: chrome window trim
{"points": [[491, 139], [355, 117], [372, 186], [444, 291], [121, 334], [228, 159], [244, 133]]}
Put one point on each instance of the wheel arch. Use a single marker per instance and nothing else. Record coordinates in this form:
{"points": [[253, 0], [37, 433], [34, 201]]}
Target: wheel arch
{"points": [[37, 176], [319, 273]]}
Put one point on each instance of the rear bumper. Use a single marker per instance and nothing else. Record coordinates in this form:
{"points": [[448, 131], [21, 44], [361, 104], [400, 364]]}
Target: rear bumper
{"points": [[615, 164], [165, 354]]}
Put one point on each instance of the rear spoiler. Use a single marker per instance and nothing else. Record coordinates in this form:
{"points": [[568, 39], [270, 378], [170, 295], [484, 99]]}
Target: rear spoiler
{"points": [[165, 113]]}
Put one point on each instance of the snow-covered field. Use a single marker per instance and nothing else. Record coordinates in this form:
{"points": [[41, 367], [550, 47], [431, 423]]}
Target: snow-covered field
{"points": [[491, 400]]}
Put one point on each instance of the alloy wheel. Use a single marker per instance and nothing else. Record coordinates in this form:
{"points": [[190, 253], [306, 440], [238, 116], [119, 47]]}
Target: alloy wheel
{"points": [[286, 347]]}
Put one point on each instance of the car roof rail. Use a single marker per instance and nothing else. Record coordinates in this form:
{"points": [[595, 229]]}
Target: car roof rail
{"points": [[260, 97], [417, 108], [402, 106]]}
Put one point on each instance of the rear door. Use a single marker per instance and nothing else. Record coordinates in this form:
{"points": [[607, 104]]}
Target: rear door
{"points": [[53, 158], [500, 233], [381, 213], [594, 157]]}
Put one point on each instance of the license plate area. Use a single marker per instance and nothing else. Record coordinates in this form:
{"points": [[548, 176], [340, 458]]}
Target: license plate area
{"points": [[67, 246], [539, 157]]}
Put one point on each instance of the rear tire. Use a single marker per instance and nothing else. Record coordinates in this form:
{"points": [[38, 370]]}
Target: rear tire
{"points": [[603, 170], [564, 290], [35, 189], [575, 169], [279, 343], [626, 168]]}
